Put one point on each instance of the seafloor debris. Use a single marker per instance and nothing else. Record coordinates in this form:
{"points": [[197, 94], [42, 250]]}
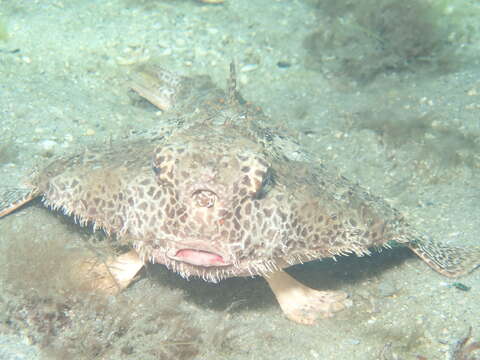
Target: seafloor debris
{"points": [[465, 348]]}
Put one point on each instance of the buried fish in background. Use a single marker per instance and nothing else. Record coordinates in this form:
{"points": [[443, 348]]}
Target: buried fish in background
{"points": [[215, 193]]}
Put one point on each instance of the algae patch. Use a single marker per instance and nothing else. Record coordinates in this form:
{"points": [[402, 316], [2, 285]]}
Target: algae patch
{"points": [[43, 300], [360, 40]]}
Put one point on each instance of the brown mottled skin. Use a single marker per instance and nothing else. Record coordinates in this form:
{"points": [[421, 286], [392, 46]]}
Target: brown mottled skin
{"points": [[216, 193]]}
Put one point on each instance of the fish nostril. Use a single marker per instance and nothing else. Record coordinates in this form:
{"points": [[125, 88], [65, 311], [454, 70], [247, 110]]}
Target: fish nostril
{"points": [[204, 198]]}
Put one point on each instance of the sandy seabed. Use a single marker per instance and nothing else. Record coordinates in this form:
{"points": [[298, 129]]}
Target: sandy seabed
{"points": [[411, 137]]}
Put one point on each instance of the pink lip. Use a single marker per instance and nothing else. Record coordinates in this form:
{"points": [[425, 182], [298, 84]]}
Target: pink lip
{"points": [[199, 257]]}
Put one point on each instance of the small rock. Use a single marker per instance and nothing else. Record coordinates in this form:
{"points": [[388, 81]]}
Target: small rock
{"points": [[249, 67], [283, 64], [48, 147], [472, 92]]}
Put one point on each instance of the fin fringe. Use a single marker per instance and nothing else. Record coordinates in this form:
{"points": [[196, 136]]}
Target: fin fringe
{"points": [[13, 198], [450, 261]]}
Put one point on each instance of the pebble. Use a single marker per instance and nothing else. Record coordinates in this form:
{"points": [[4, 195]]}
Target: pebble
{"points": [[47, 148], [48, 145], [284, 64], [249, 67], [167, 52], [472, 92]]}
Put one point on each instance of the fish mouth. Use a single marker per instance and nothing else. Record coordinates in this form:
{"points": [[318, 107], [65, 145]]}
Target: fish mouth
{"points": [[198, 257]]}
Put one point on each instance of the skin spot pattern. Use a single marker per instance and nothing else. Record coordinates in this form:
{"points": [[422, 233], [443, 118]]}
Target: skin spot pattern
{"points": [[216, 181]]}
